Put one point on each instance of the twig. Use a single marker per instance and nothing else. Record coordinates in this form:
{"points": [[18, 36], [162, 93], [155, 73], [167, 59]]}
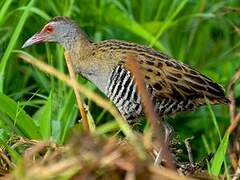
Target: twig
{"points": [[79, 102], [134, 68]]}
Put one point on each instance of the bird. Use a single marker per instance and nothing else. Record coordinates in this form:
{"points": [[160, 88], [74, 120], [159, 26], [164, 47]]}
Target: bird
{"points": [[174, 86]]}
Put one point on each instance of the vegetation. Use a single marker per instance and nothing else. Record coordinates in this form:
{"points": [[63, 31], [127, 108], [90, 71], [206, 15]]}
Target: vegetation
{"points": [[35, 105]]}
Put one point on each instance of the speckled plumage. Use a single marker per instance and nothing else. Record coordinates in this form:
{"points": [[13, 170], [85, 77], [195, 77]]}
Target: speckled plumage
{"points": [[173, 85]]}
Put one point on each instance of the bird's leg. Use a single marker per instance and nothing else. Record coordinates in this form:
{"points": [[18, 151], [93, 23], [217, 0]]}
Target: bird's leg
{"points": [[189, 150], [168, 130], [168, 134]]}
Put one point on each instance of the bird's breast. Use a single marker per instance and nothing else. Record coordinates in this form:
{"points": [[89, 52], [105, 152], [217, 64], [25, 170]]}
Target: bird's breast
{"points": [[99, 79]]}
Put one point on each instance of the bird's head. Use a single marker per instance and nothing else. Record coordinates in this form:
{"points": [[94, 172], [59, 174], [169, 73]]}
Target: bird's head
{"points": [[60, 29]]}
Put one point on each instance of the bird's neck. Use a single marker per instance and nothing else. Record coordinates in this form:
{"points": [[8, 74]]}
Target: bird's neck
{"points": [[88, 64], [80, 49], [78, 45], [75, 39]]}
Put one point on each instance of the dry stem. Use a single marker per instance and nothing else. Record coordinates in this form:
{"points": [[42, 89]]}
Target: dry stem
{"points": [[233, 149], [79, 102], [134, 67], [234, 115]]}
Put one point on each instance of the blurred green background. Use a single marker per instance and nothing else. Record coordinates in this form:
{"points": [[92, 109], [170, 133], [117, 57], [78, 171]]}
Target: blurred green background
{"points": [[204, 34]]}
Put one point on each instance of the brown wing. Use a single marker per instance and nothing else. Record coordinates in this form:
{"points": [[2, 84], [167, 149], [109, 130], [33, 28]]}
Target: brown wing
{"points": [[175, 80], [168, 78]]}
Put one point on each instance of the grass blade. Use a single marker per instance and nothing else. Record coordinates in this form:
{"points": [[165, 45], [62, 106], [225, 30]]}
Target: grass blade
{"points": [[22, 120], [219, 156], [124, 21], [68, 124], [45, 121], [4, 10], [213, 117], [168, 22], [12, 42]]}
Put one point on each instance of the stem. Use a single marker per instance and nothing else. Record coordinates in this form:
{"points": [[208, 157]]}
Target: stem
{"points": [[79, 102], [134, 68]]}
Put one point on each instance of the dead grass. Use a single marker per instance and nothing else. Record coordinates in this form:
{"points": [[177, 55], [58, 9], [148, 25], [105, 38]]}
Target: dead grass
{"points": [[87, 157], [234, 145]]}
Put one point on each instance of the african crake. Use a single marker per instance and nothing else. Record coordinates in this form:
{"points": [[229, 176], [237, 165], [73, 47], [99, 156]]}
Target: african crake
{"points": [[173, 85]]}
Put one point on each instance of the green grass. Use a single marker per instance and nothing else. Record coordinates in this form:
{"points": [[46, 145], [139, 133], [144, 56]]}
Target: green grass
{"points": [[13, 40], [198, 32], [17, 118]]}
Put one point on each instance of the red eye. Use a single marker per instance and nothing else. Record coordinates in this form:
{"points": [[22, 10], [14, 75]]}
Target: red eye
{"points": [[48, 29]]}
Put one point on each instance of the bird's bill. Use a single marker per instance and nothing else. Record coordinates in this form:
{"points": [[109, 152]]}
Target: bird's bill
{"points": [[35, 39]]}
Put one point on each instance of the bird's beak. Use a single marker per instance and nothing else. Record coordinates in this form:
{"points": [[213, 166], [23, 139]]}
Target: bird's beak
{"points": [[35, 39]]}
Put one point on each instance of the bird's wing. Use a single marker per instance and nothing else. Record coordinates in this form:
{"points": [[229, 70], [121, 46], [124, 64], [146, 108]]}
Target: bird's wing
{"points": [[174, 80], [168, 78]]}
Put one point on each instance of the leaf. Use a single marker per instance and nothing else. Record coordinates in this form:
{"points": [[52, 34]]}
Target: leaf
{"points": [[4, 9], [13, 41], [19, 117], [220, 155], [45, 121]]}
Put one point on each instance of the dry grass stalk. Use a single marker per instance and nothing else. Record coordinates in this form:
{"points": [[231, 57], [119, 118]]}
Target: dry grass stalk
{"points": [[5, 162], [234, 146], [79, 101], [134, 67], [234, 115], [167, 174], [91, 95], [237, 172], [88, 157], [28, 154]]}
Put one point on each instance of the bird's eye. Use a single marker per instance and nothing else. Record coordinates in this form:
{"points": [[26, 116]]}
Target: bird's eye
{"points": [[48, 29]]}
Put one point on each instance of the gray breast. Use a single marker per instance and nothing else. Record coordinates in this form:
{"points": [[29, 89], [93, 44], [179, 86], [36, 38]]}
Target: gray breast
{"points": [[100, 79]]}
